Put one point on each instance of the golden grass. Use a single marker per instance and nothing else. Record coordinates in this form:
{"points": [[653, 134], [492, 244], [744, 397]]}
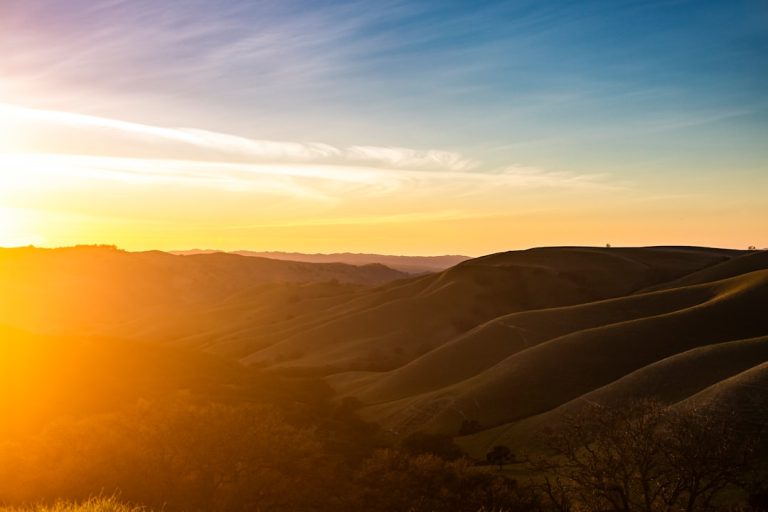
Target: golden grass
{"points": [[111, 504]]}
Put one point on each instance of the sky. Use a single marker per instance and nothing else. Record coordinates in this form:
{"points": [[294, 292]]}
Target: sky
{"points": [[399, 127]]}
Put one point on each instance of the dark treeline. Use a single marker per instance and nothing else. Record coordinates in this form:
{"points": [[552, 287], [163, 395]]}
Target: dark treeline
{"points": [[182, 453], [182, 431]]}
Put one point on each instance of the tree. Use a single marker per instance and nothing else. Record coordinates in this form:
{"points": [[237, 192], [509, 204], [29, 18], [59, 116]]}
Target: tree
{"points": [[706, 455], [500, 455], [395, 481], [642, 458]]}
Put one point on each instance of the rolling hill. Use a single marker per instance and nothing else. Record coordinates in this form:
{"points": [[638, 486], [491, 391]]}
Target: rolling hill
{"points": [[510, 342], [547, 375], [386, 328], [99, 288], [687, 379]]}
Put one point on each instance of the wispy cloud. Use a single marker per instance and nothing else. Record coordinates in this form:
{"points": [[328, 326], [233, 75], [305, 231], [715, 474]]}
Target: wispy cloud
{"points": [[109, 168], [200, 50], [228, 145], [103, 147], [406, 158]]}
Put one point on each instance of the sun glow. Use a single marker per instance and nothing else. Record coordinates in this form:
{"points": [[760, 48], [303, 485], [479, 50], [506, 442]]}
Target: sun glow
{"points": [[68, 178], [14, 230]]}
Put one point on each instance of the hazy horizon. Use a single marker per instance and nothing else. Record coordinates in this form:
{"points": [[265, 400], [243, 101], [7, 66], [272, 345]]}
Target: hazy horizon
{"points": [[354, 252]]}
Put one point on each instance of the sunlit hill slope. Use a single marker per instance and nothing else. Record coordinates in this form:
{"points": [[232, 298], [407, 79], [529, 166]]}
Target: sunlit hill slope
{"points": [[509, 342]]}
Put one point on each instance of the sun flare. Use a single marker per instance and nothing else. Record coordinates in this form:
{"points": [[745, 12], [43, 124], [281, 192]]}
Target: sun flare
{"points": [[14, 230]]}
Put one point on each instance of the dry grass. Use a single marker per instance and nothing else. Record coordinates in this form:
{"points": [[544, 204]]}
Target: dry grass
{"points": [[111, 504]]}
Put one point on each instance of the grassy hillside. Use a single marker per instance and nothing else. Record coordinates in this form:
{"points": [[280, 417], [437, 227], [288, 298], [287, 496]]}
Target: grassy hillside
{"points": [[745, 394], [742, 264], [495, 339], [326, 317], [549, 374], [97, 288], [92, 505], [488, 344], [389, 327], [145, 365], [682, 378], [46, 377]]}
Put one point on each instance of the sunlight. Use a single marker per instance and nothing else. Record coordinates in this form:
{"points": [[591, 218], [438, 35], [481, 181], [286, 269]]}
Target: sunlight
{"points": [[13, 135], [9, 227], [14, 229], [16, 175]]}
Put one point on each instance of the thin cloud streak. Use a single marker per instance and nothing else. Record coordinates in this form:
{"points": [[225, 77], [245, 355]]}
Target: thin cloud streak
{"points": [[244, 177], [236, 146], [280, 183]]}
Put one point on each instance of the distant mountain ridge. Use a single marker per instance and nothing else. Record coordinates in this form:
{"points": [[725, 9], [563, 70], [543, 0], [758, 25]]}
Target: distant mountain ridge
{"points": [[408, 264]]}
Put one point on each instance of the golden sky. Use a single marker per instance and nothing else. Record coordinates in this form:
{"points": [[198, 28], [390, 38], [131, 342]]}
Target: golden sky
{"points": [[403, 129], [70, 178]]}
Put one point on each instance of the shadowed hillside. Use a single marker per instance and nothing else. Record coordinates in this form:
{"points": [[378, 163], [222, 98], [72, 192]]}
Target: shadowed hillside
{"points": [[311, 316], [387, 328], [517, 373], [548, 374], [131, 355], [682, 378], [90, 288], [497, 340], [742, 264], [489, 343]]}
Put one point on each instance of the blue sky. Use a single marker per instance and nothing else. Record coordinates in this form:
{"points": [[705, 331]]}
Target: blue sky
{"points": [[662, 95], [493, 72]]}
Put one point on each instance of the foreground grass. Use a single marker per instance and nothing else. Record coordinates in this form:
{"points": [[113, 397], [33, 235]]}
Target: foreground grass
{"points": [[92, 505]]}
